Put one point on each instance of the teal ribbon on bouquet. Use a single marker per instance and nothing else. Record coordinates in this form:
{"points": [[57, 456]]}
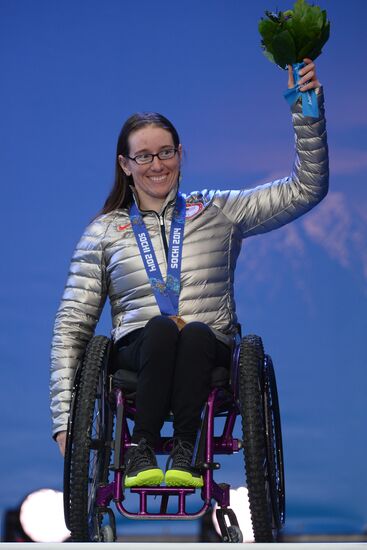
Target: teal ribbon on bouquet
{"points": [[309, 99]]}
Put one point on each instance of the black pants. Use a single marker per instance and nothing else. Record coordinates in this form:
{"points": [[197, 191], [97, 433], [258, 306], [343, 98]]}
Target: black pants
{"points": [[174, 371]]}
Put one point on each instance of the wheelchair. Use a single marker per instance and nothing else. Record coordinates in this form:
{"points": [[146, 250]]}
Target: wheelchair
{"points": [[98, 436]]}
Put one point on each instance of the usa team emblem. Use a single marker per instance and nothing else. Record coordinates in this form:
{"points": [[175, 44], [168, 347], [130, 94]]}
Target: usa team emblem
{"points": [[193, 209]]}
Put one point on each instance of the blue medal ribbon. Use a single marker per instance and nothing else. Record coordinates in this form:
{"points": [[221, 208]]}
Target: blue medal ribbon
{"points": [[309, 99], [166, 293]]}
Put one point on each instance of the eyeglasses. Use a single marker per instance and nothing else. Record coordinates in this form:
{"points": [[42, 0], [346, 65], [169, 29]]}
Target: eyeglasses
{"points": [[147, 158]]}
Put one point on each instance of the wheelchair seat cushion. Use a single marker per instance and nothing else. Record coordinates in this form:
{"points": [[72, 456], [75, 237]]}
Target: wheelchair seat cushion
{"points": [[127, 380]]}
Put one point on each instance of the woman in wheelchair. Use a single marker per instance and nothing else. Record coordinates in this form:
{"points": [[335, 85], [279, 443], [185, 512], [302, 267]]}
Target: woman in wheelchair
{"points": [[174, 369], [166, 261]]}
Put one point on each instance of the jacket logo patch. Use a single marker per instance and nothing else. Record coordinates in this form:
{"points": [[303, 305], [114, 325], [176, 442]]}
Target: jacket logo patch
{"points": [[122, 227], [193, 209]]}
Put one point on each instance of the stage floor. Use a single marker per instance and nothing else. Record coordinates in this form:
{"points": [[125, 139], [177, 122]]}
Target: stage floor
{"points": [[184, 545]]}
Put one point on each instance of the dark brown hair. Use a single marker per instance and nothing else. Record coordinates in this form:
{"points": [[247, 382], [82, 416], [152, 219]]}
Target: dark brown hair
{"points": [[121, 195]]}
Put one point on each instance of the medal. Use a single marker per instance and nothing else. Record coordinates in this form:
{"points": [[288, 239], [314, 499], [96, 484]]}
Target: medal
{"points": [[178, 320]]}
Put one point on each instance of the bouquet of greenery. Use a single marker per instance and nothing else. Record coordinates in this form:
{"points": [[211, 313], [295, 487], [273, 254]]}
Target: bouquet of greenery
{"points": [[290, 36]]}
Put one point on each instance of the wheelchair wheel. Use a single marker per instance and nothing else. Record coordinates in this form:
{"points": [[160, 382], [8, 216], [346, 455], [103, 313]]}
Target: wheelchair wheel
{"points": [[274, 442], [262, 443], [88, 446]]}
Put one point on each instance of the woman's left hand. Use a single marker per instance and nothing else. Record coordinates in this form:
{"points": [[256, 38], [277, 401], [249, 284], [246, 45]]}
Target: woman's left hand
{"points": [[308, 79]]}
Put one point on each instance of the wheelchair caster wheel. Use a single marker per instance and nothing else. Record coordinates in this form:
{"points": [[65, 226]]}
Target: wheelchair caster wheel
{"points": [[107, 534], [229, 529], [234, 534]]}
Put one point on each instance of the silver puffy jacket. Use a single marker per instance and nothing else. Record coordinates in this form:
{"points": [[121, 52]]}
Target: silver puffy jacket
{"points": [[107, 262]]}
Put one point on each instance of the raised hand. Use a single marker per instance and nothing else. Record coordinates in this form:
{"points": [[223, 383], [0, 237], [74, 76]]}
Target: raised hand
{"points": [[308, 79]]}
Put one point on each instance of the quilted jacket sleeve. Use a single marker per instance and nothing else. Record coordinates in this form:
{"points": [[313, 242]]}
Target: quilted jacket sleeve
{"points": [[80, 308], [277, 203]]}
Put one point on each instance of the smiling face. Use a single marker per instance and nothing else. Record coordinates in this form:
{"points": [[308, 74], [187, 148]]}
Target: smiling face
{"points": [[155, 180]]}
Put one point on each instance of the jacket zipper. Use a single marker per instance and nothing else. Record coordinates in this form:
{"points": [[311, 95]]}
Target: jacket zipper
{"points": [[163, 230], [163, 233]]}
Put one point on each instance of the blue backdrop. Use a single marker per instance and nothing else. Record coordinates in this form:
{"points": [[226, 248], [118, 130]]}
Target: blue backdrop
{"points": [[72, 72]]}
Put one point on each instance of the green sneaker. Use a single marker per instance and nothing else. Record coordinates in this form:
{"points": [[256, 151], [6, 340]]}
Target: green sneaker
{"points": [[181, 473], [141, 469]]}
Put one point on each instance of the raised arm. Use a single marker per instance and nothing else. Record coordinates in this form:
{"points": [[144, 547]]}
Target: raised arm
{"points": [[277, 203], [81, 305]]}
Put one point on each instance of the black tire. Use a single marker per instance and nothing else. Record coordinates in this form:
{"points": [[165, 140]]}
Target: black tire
{"points": [[274, 442], [88, 446], [68, 446], [260, 423]]}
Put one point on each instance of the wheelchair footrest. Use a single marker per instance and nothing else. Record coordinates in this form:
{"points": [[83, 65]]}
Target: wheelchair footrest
{"points": [[164, 493], [162, 490]]}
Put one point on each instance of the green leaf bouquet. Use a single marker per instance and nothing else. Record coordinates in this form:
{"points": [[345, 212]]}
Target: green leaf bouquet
{"points": [[290, 36]]}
